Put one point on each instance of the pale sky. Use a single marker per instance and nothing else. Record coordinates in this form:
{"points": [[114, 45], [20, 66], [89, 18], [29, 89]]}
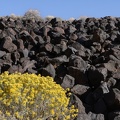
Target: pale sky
{"points": [[64, 9]]}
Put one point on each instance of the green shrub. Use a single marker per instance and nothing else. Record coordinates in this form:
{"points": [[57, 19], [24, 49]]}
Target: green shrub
{"points": [[33, 97]]}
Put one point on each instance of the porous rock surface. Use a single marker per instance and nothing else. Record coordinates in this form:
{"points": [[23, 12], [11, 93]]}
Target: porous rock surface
{"points": [[83, 55]]}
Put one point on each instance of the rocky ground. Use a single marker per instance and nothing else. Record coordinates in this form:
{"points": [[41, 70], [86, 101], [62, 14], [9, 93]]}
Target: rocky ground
{"points": [[83, 55]]}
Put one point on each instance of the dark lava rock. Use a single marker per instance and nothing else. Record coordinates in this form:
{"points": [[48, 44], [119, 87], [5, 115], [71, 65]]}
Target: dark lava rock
{"points": [[114, 115], [83, 55], [96, 75], [80, 77], [2, 25], [48, 71], [100, 106], [112, 99]]}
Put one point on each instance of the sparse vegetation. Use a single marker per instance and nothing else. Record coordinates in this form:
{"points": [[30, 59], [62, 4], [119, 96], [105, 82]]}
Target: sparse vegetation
{"points": [[32, 14]]}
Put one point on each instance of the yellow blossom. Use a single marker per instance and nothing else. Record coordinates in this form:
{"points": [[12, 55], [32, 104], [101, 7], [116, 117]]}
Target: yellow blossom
{"points": [[7, 113], [52, 112], [28, 95]]}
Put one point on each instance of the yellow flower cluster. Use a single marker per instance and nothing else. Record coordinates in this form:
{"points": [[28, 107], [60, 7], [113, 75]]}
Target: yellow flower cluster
{"points": [[33, 97]]}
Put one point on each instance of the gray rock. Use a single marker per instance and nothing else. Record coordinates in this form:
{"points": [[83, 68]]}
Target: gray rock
{"points": [[59, 30], [68, 81], [104, 87], [78, 62], [48, 47], [94, 116], [111, 82], [2, 53], [80, 89], [71, 29], [8, 45], [110, 66], [83, 117], [25, 52]]}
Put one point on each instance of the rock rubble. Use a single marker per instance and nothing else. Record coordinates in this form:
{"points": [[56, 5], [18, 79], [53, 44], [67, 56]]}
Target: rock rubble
{"points": [[83, 55]]}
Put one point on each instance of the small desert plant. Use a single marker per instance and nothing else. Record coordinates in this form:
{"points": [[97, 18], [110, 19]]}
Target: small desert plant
{"points": [[48, 18], [15, 17], [33, 97], [83, 18], [32, 14]]}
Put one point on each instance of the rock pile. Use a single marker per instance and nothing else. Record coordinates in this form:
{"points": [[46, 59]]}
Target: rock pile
{"points": [[83, 55]]}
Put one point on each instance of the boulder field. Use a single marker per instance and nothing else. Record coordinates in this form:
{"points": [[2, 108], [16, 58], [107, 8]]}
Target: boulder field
{"points": [[83, 55]]}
